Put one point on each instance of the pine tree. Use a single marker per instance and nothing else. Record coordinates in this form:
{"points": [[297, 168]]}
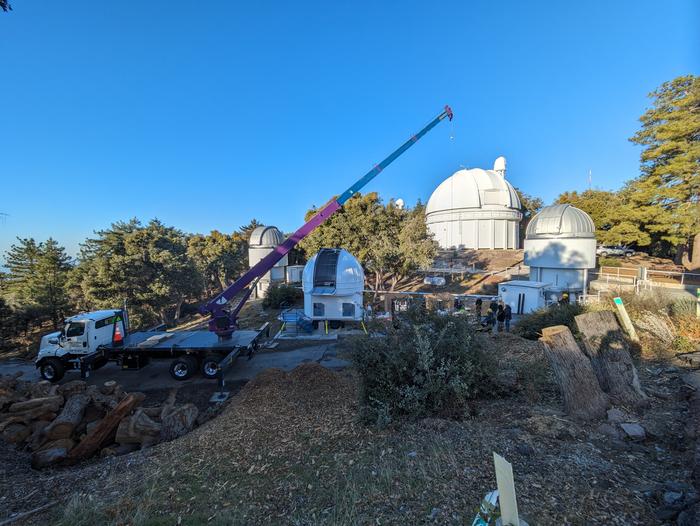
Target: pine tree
{"points": [[21, 262], [666, 198], [48, 284]]}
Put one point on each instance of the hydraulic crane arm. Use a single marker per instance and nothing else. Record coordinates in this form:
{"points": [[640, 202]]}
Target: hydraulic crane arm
{"points": [[223, 319]]}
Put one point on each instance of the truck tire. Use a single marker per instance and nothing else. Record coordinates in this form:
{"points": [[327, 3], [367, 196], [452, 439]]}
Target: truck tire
{"points": [[52, 369], [210, 366], [183, 367]]}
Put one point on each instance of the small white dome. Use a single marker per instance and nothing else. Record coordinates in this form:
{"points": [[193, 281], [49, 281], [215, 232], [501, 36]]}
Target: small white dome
{"points": [[499, 165], [560, 221], [399, 203], [474, 188], [266, 236], [333, 271]]}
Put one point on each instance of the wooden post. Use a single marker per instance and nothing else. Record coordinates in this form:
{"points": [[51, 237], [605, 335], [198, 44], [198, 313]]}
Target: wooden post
{"points": [[608, 350], [583, 397], [625, 319]]}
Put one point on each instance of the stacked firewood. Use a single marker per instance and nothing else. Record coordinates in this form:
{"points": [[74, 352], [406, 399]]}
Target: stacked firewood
{"points": [[63, 424]]}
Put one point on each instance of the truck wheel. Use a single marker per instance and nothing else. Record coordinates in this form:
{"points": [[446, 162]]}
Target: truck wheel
{"points": [[210, 366], [52, 369], [183, 367]]}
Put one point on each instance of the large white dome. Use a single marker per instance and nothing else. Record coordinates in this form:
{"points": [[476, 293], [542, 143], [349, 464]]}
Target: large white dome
{"points": [[474, 188], [475, 208]]}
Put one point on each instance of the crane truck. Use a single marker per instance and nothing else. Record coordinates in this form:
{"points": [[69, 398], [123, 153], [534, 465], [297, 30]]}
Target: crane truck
{"points": [[90, 340]]}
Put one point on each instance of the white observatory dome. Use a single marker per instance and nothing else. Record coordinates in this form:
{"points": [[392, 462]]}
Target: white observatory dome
{"points": [[263, 240], [475, 208], [333, 282], [266, 236], [560, 221], [560, 247]]}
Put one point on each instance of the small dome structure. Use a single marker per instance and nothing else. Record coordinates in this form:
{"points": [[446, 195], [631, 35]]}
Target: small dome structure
{"points": [[262, 241], [475, 208], [560, 221], [560, 247], [333, 281], [266, 236]]}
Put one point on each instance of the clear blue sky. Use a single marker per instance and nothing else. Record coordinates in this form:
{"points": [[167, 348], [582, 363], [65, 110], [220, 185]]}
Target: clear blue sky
{"points": [[207, 114]]}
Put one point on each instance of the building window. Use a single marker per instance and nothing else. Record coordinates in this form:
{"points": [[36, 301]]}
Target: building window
{"points": [[348, 310], [319, 309]]}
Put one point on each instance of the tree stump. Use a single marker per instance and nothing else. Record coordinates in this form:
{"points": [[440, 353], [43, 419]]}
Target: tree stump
{"points": [[608, 348], [583, 397]]}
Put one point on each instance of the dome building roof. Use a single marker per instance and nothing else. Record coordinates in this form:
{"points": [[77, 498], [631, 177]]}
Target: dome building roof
{"points": [[333, 271], [474, 188], [560, 221], [266, 236]]}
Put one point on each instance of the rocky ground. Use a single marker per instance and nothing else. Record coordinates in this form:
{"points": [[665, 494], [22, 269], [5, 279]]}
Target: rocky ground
{"points": [[289, 449]]}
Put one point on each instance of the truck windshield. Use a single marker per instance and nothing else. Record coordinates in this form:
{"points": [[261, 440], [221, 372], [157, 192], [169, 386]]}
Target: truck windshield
{"points": [[75, 329]]}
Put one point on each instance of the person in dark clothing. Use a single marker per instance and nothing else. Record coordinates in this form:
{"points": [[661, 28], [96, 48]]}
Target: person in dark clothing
{"points": [[489, 321], [477, 308], [508, 314], [500, 317], [493, 306]]}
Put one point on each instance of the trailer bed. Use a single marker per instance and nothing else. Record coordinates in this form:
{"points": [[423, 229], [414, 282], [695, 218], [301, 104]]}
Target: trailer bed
{"points": [[151, 342]]}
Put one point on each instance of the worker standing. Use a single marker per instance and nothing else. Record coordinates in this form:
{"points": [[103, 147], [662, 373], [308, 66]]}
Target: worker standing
{"points": [[493, 306], [500, 318], [477, 308], [507, 311]]}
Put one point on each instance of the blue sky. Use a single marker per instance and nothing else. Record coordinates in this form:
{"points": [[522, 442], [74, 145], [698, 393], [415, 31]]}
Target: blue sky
{"points": [[207, 114]]}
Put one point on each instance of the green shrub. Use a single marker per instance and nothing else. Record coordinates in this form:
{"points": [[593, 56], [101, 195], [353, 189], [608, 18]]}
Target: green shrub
{"points": [[280, 295], [530, 325], [425, 365], [604, 261]]}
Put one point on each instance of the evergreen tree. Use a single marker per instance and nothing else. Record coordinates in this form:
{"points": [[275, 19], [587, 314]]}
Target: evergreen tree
{"points": [[665, 199], [220, 258], [529, 206], [48, 285], [21, 262]]}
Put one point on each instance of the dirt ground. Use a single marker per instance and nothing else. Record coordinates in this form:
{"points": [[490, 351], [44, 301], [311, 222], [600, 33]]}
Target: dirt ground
{"points": [[290, 449]]}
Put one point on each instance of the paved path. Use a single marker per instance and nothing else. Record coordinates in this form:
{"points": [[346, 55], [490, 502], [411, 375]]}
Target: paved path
{"points": [[155, 375]]}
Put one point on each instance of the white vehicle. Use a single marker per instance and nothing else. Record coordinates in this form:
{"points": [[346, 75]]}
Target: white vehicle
{"points": [[89, 341], [82, 335]]}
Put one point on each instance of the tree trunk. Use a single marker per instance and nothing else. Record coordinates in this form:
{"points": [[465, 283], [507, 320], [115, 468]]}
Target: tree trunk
{"points": [[583, 397], [178, 307], [179, 421], [48, 404], [69, 418], [138, 429], [693, 263], [607, 347], [91, 443]]}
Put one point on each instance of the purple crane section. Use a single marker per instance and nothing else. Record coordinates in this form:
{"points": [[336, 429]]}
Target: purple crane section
{"points": [[223, 314]]}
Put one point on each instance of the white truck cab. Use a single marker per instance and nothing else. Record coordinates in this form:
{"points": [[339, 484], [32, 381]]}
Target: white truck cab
{"points": [[81, 335]]}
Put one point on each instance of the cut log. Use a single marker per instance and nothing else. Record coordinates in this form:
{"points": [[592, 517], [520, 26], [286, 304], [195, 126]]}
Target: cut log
{"points": [[107, 426], [72, 387], [101, 400], [178, 422], [66, 443], [16, 433], [169, 403], [138, 429], [583, 397], [48, 457], [608, 349], [153, 412], [37, 438], [47, 404], [108, 387], [69, 418], [40, 389]]}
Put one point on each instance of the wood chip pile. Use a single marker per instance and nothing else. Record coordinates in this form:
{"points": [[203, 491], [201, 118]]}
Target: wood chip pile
{"points": [[64, 424]]}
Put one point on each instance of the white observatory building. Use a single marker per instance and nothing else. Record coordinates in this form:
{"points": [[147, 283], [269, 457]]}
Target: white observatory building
{"points": [[559, 249], [333, 281], [476, 209], [263, 240]]}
